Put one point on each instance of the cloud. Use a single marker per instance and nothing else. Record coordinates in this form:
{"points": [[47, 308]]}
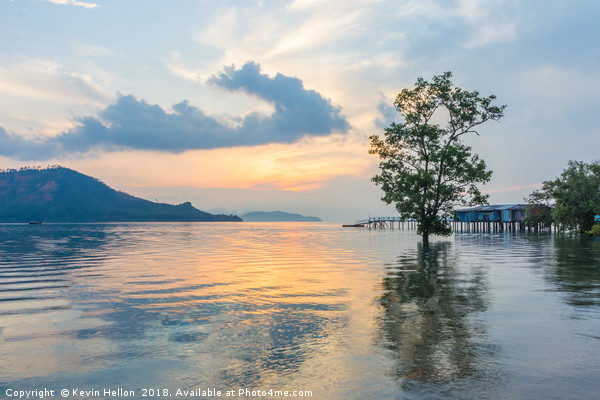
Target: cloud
{"points": [[74, 3], [13, 145], [42, 97], [130, 123], [297, 110], [50, 81], [387, 115]]}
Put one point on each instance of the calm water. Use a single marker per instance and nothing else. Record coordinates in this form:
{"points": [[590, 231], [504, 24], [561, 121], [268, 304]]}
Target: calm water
{"points": [[343, 313]]}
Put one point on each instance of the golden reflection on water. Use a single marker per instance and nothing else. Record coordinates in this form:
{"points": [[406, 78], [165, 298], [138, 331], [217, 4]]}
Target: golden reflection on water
{"points": [[216, 304], [349, 314]]}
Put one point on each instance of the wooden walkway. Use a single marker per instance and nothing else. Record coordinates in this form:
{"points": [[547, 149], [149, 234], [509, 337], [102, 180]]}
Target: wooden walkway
{"points": [[384, 222], [457, 226]]}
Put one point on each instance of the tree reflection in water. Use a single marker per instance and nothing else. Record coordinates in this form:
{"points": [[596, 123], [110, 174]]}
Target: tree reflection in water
{"points": [[432, 319], [576, 270]]}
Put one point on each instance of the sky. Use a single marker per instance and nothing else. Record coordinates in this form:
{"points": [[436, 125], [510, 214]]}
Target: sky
{"points": [[268, 105]]}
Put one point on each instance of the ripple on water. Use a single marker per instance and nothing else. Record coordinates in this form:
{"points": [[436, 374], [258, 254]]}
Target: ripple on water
{"points": [[346, 313]]}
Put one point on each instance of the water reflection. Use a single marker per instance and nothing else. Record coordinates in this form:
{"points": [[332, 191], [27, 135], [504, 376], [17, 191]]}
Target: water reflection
{"points": [[575, 270], [432, 319], [119, 304], [287, 306]]}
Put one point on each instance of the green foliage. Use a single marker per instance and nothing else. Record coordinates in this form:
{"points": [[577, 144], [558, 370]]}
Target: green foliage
{"points": [[595, 231], [576, 196], [426, 169], [538, 215]]}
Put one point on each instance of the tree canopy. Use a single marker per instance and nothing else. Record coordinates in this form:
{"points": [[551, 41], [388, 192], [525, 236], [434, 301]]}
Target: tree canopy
{"points": [[574, 196], [426, 169]]}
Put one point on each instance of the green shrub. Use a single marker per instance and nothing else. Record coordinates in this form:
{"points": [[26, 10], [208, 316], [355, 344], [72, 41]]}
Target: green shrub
{"points": [[595, 230]]}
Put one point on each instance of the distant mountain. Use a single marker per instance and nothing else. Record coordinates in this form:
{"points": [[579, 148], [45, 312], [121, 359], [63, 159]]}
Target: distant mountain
{"points": [[58, 194], [272, 216]]}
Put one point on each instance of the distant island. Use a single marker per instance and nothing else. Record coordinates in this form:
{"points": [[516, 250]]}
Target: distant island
{"points": [[58, 194], [277, 216]]}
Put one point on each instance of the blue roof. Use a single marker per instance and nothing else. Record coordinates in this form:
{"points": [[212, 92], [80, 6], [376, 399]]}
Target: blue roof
{"points": [[495, 207]]}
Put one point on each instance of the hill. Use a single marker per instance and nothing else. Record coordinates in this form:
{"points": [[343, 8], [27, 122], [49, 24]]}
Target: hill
{"points": [[273, 216], [59, 194]]}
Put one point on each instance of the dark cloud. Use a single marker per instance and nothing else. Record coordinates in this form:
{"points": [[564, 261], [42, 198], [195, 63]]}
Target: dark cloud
{"points": [[17, 146], [388, 114], [9, 144], [134, 124], [297, 110]]}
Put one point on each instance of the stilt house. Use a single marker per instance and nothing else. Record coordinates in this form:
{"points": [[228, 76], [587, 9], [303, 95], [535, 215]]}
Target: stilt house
{"points": [[493, 213]]}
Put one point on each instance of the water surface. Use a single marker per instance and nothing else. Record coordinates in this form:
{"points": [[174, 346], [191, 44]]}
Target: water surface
{"points": [[343, 313]]}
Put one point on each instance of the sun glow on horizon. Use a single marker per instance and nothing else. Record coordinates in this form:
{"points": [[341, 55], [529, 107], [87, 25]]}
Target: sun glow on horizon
{"points": [[302, 166]]}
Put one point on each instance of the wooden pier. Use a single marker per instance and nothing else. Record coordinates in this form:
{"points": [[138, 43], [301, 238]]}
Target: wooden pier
{"points": [[457, 226], [384, 222]]}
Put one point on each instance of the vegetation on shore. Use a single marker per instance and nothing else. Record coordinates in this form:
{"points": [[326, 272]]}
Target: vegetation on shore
{"points": [[573, 197]]}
